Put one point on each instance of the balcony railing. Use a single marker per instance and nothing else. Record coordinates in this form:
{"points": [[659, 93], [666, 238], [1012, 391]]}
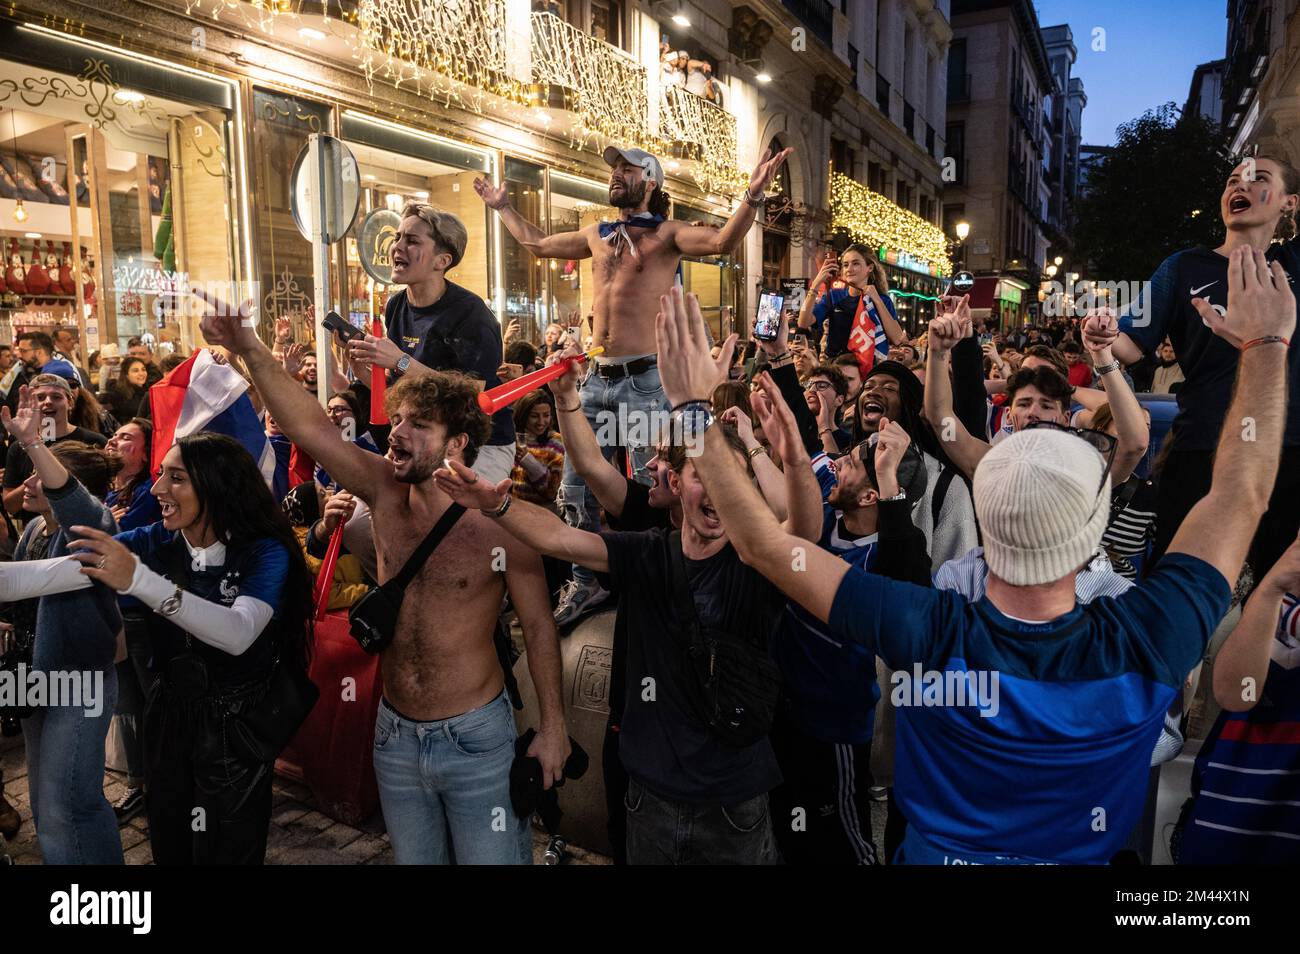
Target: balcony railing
{"points": [[703, 131], [607, 86], [405, 42]]}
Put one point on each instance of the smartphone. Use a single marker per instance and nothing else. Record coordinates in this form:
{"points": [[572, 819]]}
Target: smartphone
{"points": [[768, 324], [986, 338], [335, 322]]}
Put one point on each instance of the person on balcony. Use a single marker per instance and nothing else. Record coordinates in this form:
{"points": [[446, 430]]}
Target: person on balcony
{"points": [[697, 80], [635, 259]]}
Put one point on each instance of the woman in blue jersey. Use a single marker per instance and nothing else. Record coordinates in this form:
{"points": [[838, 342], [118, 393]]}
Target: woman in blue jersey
{"points": [[133, 506], [834, 312], [1184, 301], [230, 597], [1246, 781]]}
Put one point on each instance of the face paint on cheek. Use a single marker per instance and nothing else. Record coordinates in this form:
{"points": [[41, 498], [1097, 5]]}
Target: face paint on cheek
{"points": [[1264, 197]]}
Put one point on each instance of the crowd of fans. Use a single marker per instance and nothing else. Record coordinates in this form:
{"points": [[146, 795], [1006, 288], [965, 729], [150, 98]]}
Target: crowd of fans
{"points": [[827, 520]]}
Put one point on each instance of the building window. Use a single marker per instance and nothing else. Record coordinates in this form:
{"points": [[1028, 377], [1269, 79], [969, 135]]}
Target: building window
{"points": [[842, 157], [606, 21]]}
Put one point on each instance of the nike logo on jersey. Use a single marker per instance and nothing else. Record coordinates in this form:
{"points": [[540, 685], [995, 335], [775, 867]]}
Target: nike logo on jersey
{"points": [[1197, 291]]}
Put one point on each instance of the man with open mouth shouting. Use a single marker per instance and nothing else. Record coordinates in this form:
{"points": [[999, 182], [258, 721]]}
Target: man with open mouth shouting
{"points": [[635, 259], [444, 738]]}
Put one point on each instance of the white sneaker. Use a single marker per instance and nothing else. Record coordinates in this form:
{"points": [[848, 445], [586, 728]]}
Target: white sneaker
{"points": [[577, 598]]}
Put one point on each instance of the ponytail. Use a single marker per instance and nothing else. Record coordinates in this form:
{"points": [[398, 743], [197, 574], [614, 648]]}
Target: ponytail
{"points": [[659, 202]]}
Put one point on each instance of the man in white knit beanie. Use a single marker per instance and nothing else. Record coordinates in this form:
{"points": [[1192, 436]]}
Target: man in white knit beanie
{"points": [[1025, 721]]}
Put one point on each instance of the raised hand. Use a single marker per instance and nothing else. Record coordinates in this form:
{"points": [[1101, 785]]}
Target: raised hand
{"points": [[25, 425], [766, 169], [738, 419], [946, 330], [494, 197], [228, 327], [283, 331], [1260, 302], [686, 368], [1099, 329], [338, 509], [511, 332], [292, 358], [566, 385], [777, 420], [469, 489], [891, 444]]}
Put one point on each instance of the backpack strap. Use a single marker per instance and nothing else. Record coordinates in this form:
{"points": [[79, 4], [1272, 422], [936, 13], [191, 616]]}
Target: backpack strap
{"points": [[681, 588], [940, 494], [406, 574]]}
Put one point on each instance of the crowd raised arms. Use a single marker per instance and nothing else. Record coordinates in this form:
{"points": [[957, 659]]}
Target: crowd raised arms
{"points": [[953, 552]]}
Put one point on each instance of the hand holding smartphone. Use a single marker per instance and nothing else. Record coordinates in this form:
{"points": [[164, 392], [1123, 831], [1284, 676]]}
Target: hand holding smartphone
{"points": [[336, 323]]}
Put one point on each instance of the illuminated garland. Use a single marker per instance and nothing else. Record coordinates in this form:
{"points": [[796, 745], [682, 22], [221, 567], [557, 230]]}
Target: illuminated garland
{"points": [[710, 133], [872, 219]]}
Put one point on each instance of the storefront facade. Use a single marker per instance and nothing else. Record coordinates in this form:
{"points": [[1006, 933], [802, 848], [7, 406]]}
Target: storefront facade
{"points": [[140, 169]]}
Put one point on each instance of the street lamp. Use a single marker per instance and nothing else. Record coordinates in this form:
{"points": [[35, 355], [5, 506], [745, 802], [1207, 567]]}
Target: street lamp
{"points": [[1051, 271], [963, 230], [1059, 262]]}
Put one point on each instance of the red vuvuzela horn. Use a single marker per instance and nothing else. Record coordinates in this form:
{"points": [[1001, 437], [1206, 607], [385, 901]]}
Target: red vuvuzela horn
{"points": [[503, 395]]}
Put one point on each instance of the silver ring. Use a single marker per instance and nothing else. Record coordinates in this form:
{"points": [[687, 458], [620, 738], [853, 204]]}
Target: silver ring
{"points": [[103, 561]]}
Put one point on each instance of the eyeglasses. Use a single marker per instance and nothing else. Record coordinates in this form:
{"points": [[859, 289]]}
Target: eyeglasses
{"points": [[1103, 443], [817, 386]]}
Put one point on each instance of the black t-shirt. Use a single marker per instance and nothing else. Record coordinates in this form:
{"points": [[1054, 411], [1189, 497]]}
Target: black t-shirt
{"points": [[637, 516], [663, 743], [1209, 363], [18, 466], [456, 333]]}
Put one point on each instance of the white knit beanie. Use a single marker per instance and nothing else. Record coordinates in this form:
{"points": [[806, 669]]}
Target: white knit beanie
{"points": [[1037, 503]]}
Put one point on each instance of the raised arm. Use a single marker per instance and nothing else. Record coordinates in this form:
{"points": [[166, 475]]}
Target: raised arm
{"points": [[539, 528], [825, 275], [1099, 331], [950, 326], [771, 482], [1261, 314], [580, 445], [296, 411], [802, 492], [1241, 666], [562, 245], [694, 240]]}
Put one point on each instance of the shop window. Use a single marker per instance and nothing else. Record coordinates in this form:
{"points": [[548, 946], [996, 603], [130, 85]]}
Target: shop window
{"points": [[281, 125], [523, 274], [574, 204], [712, 280], [127, 196]]}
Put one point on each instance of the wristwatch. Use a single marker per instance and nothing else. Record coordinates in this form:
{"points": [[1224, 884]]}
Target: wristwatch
{"points": [[403, 363], [172, 605], [1107, 368], [690, 420]]}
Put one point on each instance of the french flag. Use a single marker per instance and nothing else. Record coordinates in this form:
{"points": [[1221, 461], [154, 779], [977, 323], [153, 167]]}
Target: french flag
{"points": [[202, 395]]}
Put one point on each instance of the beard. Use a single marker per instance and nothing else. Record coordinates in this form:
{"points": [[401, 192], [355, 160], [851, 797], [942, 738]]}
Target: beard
{"points": [[421, 468], [630, 198]]}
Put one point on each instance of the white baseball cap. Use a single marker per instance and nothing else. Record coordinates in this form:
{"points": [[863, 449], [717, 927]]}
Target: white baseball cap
{"points": [[636, 157]]}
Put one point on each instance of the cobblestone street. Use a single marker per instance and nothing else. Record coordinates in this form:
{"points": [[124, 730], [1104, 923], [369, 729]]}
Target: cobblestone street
{"points": [[299, 833]]}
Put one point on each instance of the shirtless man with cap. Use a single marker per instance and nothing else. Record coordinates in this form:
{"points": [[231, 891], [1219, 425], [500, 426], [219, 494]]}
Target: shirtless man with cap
{"points": [[634, 261]]}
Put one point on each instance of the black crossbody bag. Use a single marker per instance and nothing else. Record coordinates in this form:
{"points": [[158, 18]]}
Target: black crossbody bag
{"points": [[733, 684], [373, 618]]}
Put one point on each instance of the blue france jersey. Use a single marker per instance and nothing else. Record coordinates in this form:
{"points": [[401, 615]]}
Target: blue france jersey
{"points": [[830, 682], [1052, 768]]}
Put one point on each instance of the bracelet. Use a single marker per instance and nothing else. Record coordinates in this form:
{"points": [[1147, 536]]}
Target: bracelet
{"points": [[901, 495], [755, 451], [826, 430], [31, 443], [570, 410], [753, 200], [501, 510], [1103, 369], [1267, 339], [781, 361]]}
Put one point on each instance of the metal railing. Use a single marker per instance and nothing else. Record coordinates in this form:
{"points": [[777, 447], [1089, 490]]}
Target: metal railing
{"points": [[706, 130], [608, 87]]}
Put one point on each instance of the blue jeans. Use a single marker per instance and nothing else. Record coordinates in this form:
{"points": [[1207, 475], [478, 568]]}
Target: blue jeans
{"points": [[75, 824], [445, 787], [639, 396]]}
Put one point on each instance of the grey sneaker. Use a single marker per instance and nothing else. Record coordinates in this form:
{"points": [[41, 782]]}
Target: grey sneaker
{"points": [[577, 598]]}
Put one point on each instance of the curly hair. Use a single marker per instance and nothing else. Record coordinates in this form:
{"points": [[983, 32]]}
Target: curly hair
{"points": [[447, 397]]}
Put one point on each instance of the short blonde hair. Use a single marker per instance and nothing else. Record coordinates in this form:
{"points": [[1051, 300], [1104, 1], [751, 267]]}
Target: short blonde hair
{"points": [[446, 229]]}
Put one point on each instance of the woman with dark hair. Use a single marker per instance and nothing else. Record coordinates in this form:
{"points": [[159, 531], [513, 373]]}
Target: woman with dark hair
{"points": [[71, 633], [129, 395], [231, 600], [88, 413], [1184, 301], [836, 310], [132, 505], [539, 455]]}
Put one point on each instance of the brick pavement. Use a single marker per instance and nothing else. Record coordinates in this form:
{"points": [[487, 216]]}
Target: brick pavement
{"points": [[299, 833]]}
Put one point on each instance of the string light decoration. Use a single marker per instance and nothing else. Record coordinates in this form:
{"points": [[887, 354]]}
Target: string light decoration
{"points": [[708, 134], [414, 42], [872, 219], [607, 87]]}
